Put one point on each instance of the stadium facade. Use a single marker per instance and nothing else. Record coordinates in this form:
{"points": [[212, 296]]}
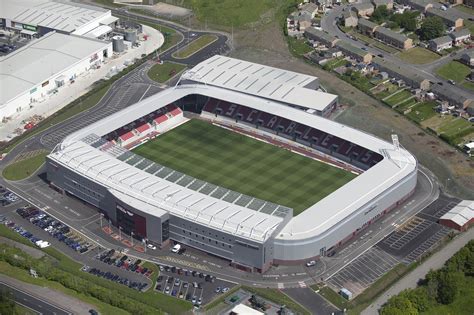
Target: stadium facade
{"points": [[161, 205]]}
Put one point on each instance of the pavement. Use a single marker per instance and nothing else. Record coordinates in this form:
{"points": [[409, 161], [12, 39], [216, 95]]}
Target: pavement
{"points": [[410, 280], [44, 300], [312, 301]]}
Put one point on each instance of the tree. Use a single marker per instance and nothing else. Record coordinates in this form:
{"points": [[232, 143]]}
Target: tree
{"points": [[380, 14], [431, 27], [7, 304], [447, 287], [399, 304]]}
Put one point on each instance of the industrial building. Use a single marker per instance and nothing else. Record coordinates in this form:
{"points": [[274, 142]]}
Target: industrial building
{"points": [[31, 73], [162, 206], [35, 18]]}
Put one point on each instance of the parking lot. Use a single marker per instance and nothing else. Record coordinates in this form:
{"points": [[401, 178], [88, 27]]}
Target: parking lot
{"points": [[363, 271], [9, 43], [191, 285]]}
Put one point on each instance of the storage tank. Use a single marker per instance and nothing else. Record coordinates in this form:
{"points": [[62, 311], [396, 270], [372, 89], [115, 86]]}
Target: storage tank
{"points": [[117, 43], [131, 35]]}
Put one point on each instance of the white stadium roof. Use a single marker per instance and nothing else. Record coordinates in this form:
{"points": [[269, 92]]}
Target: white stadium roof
{"points": [[461, 214], [57, 15], [41, 59], [263, 81], [337, 206]]}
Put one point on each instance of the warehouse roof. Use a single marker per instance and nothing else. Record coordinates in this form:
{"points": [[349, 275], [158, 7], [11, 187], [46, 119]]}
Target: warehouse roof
{"points": [[41, 59], [461, 214], [56, 15], [255, 79]]}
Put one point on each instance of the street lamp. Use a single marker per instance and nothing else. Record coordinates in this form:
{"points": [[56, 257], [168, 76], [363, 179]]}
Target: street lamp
{"points": [[101, 217], [120, 232], [447, 182], [110, 223], [131, 237], [144, 243]]}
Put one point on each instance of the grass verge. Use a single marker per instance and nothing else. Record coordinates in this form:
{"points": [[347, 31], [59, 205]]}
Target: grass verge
{"points": [[298, 47], [453, 70], [278, 297], [164, 72], [24, 168], [220, 299], [418, 55], [195, 46]]}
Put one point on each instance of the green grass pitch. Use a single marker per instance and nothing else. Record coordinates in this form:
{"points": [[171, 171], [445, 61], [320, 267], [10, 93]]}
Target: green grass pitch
{"points": [[240, 163]]}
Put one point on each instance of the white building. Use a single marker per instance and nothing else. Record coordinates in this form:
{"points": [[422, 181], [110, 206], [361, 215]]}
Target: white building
{"points": [[29, 74], [33, 18]]}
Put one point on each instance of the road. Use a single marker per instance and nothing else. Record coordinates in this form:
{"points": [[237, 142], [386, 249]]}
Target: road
{"points": [[38, 304], [410, 280], [328, 24]]}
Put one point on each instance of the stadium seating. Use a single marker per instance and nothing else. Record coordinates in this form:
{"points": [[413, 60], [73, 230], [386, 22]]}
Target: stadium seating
{"points": [[301, 133]]}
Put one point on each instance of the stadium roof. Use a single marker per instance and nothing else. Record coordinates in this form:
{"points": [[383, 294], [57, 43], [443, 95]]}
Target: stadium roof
{"points": [[41, 59], [461, 213], [255, 79], [56, 15], [336, 207]]}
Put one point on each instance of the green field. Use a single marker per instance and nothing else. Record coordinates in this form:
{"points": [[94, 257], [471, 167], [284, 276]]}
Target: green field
{"points": [[164, 72], [246, 165], [418, 55], [453, 70], [195, 46]]}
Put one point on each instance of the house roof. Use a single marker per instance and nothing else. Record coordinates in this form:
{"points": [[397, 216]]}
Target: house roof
{"points": [[461, 33], [363, 6], [309, 7], [367, 23], [351, 48], [441, 40], [406, 72], [445, 15], [391, 34], [380, 2], [319, 34], [469, 53]]}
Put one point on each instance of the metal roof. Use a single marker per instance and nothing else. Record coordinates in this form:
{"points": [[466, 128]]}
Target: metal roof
{"points": [[40, 60], [56, 15], [334, 208], [461, 213], [255, 79]]}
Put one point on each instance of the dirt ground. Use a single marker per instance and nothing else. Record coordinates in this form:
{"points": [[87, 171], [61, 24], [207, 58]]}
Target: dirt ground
{"points": [[267, 45]]}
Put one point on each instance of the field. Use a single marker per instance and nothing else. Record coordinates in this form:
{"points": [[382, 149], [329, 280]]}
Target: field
{"points": [[418, 55], [195, 46], [246, 165], [164, 72], [453, 70]]}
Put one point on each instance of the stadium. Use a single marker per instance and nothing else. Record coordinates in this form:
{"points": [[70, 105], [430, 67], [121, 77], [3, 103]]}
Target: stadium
{"points": [[236, 160]]}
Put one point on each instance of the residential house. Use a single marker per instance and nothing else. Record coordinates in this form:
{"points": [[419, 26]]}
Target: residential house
{"points": [[393, 38], [456, 2], [450, 17], [468, 57], [354, 52], [387, 3], [320, 36], [469, 3], [309, 8], [409, 75], [349, 18], [420, 5], [366, 27], [363, 9], [460, 36], [323, 4], [454, 95], [297, 22], [382, 75], [440, 43]]}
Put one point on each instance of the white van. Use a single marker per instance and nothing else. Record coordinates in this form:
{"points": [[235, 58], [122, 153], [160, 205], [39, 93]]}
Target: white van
{"points": [[176, 248]]}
